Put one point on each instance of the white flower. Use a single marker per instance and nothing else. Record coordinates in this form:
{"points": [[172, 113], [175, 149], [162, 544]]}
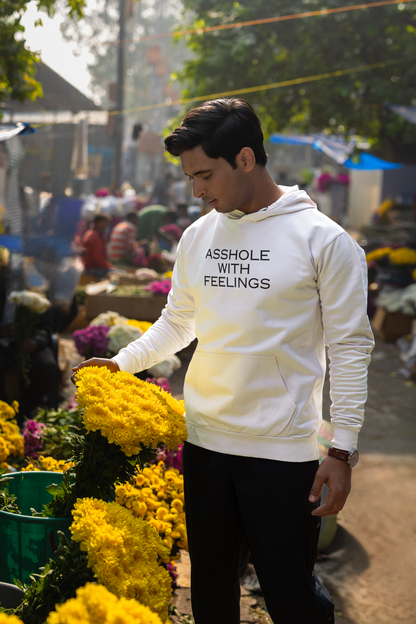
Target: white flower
{"points": [[108, 319], [33, 301], [166, 368], [121, 335]]}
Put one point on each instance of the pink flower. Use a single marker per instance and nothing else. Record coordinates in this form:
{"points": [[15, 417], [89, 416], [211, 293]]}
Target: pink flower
{"points": [[32, 435], [159, 288]]}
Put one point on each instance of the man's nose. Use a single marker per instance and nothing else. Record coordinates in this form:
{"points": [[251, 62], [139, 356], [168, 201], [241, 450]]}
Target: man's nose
{"points": [[198, 188]]}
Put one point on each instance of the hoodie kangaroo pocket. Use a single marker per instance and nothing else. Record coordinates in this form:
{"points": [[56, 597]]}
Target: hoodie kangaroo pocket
{"points": [[238, 393]]}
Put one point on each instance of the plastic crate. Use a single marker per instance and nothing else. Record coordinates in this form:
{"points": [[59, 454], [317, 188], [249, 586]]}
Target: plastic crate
{"points": [[27, 542]]}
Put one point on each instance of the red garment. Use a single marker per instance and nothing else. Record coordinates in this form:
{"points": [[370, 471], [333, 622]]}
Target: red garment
{"points": [[95, 256]]}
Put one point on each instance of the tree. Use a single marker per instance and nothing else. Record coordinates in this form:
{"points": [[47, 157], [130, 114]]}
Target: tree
{"points": [[146, 79], [17, 63], [256, 55]]}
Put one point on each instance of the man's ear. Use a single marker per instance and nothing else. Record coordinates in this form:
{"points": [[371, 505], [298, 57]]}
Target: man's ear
{"points": [[246, 159]]}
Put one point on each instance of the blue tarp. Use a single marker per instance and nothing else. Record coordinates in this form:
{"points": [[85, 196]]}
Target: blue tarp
{"points": [[370, 163], [337, 149], [8, 131]]}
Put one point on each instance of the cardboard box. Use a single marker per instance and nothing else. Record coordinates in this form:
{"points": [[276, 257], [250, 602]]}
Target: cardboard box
{"points": [[390, 326], [133, 307]]}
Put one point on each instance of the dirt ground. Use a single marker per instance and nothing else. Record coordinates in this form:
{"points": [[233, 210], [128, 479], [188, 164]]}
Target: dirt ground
{"points": [[370, 567]]}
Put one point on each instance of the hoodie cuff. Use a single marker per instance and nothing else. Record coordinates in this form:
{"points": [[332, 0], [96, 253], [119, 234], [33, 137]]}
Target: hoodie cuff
{"points": [[345, 439], [126, 362]]}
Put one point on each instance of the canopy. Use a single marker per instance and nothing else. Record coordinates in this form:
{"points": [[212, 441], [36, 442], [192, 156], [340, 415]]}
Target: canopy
{"points": [[8, 131], [336, 148]]}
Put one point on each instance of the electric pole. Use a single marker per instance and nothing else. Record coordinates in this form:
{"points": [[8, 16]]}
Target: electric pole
{"points": [[119, 125]]}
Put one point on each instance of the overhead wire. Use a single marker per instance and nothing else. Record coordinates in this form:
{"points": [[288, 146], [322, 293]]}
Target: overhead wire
{"points": [[267, 20], [265, 87]]}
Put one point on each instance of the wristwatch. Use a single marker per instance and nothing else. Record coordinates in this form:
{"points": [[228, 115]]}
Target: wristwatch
{"points": [[350, 457]]}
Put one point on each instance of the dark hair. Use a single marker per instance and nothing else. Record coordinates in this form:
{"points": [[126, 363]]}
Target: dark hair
{"points": [[131, 216], [222, 128], [101, 217]]}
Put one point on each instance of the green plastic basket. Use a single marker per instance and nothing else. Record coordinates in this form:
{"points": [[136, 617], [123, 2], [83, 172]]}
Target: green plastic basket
{"points": [[27, 542]]}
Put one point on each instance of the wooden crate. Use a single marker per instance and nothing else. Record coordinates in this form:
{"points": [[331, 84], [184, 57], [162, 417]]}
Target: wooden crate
{"points": [[133, 307], [391, 325]]}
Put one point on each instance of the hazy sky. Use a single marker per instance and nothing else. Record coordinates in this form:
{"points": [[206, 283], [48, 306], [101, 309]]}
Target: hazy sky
{"points": [[55, 52]]}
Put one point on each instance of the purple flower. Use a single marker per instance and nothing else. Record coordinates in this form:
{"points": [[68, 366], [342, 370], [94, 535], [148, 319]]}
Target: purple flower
{"points": [[92, 341], [32, 435], [162, 382], [159, 288], [171, 459]]}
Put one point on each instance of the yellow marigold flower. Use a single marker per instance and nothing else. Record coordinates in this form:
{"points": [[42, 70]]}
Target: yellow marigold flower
{"points": [[48, 464], [143, 325], [375, 255], [123, 552], [414, 275], [11, 441], [385, 206], [94, 604], [168, 274], [9, 619], [129, 412], [403, 255], [158, 491]]}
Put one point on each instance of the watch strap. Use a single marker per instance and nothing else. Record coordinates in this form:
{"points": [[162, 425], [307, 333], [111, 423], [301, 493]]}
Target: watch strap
{"points": [[339, 454]]}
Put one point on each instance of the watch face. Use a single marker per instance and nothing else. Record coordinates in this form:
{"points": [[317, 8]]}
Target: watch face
{"points": [[353, 459]]}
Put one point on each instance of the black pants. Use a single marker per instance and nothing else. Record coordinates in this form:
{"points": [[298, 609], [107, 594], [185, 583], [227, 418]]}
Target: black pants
{"points": [[239, 505]]}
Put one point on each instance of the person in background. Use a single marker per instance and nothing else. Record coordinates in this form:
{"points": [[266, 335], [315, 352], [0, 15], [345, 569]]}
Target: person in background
{"points": [[180, 193], [150, 220], [123, 246], [170, 232], [162, 193], [183, 219], [94, 248]]}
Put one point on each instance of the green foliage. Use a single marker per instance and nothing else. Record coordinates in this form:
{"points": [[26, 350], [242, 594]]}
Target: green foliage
{"points": [[58, 435], [259, 55], [7, 500], [56, 583], [17, 63], [98, 465]]}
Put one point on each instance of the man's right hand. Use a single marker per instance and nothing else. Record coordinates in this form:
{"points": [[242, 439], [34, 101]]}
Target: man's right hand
{"points": [[110, 364]]}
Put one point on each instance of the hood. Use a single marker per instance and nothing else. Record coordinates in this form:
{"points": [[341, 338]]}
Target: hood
{"points": [[292, 200]]}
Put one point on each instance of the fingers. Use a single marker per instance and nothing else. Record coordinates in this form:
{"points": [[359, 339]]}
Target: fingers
{"points": [[110, 364], [337, 475]]}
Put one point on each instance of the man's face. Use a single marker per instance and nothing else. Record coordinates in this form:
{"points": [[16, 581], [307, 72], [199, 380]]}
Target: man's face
{"points": [[215, 181]]}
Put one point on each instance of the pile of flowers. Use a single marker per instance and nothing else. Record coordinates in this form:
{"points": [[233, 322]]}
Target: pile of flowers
{"points": [[11, 442], [27, 299], [33, 437], [157, 497], [92, 341], [121, 335], [159, 287], [129, 412], [396, 256], [48, 464], [123, 552], [28, 308], [107, 334], [162, 382], [94, 603]]}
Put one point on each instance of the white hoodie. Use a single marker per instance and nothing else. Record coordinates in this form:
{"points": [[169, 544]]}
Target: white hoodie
{"points": [[262, 294]]}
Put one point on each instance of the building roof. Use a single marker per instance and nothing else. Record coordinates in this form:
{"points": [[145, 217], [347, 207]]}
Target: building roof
{"points": [[58, 95]]}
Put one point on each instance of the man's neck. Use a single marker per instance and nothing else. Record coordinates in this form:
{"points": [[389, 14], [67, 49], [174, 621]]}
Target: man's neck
{"points": [[264, 192]]}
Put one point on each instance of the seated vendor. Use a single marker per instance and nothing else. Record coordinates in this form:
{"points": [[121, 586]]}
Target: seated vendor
{"points": [[94, 248], [123, 246]]}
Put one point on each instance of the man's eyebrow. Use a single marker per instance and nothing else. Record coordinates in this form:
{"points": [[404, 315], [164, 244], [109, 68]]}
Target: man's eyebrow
{"points": [[197, 173]]}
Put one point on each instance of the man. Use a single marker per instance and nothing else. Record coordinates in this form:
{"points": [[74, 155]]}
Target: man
{"points": [[123, 245], [263, 281], [94, 251]]}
